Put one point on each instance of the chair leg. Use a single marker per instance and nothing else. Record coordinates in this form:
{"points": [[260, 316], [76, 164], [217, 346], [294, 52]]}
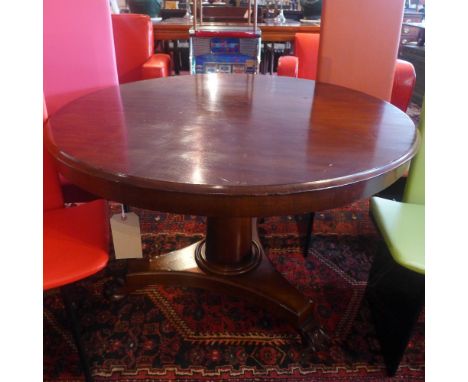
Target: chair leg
{"points": [[114, 289], [308, 239], [272, 58], [396, 297], [263, 59], [70, 308], [176, 56], [305, 225], [395, 191]]}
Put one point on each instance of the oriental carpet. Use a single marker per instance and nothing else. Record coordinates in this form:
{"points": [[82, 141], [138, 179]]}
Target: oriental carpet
{"points": [[167, 333]]}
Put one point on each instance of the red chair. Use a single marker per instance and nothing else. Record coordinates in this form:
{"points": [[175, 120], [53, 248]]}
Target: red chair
{"points": [[75, 238], [404, 81], [134, 47], [78, 58], [304, 65], [75, 244]]}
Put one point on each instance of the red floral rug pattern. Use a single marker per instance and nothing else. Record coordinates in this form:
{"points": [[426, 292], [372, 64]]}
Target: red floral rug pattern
{"points": [[169, 333]]}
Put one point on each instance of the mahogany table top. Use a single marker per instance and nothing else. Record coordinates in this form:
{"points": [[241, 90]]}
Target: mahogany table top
{"points": [[237, 145]]}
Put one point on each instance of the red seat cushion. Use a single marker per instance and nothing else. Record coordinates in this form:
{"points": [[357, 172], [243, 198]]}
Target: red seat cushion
{"points": [[157, 66], [75, 243]]}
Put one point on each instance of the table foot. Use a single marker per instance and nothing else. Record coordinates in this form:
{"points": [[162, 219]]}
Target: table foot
{"points": [[263, 285], [315, 338], [246, 273], [115, 289]]}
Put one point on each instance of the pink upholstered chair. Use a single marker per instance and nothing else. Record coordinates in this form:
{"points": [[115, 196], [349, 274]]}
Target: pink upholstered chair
{"points": [[304, 65], [78, 58], [350, 54], [134, 48], [75, 244]]}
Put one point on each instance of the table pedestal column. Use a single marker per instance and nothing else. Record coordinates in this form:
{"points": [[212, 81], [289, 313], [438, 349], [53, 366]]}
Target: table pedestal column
{"points": [[232, 261], [228, 248]]}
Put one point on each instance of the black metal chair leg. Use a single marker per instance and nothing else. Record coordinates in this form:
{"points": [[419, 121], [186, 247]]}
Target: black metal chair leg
{"points": [[308, 239], [70, 309], [396, 297], [176, 55], [395, 191], [263, 61], [304, 225], [272, 58]]}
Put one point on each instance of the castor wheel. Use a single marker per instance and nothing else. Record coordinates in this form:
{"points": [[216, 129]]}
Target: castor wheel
{"points": [[114, 289], [315, 339]]}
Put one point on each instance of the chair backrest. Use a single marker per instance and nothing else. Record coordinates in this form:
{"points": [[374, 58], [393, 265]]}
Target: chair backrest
{"points": [[134, 44], [359, 44], [78, 50], [51, 190], [404, 81], [306, 48], [415, 184]]}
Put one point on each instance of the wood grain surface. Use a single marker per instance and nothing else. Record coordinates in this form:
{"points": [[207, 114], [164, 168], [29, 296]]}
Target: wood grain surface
{"points": [[231, 145]]}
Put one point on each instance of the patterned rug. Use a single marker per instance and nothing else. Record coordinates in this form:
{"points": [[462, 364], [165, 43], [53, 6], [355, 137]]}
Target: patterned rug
{"points": [[169, 333]]}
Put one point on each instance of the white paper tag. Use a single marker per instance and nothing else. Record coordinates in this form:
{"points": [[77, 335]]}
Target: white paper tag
{"points": [[126, 236]]}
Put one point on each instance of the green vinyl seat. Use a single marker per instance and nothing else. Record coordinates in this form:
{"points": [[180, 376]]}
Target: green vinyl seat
{"points": [[396, 285], [402, 227]]}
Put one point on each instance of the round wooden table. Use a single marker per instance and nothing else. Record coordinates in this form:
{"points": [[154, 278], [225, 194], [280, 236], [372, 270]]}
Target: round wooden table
{"points": [[232, 148]]}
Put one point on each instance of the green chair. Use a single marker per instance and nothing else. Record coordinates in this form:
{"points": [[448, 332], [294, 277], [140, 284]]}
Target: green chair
{"points": [[395, 289]]}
